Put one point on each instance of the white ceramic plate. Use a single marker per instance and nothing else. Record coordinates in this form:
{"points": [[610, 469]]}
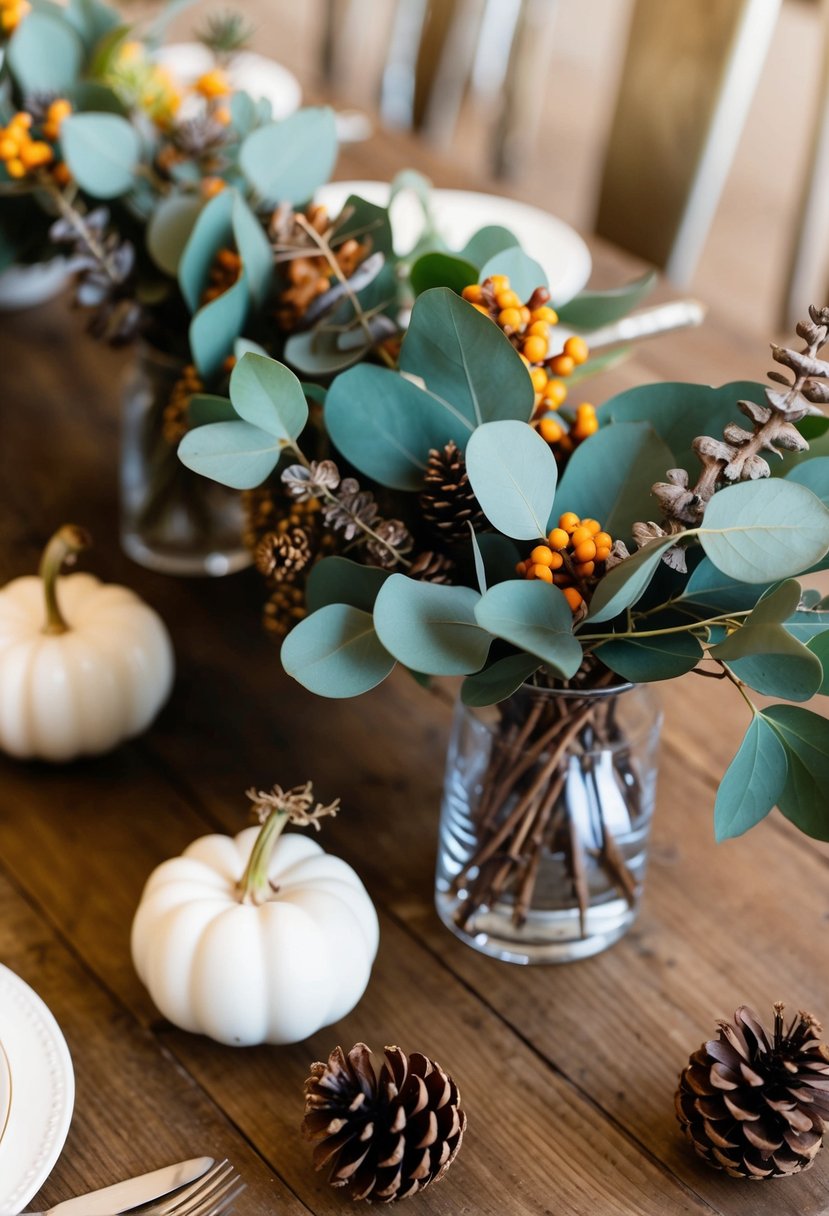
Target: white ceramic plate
{"points": [[257, 75], [39, 1092], [460, 213]]}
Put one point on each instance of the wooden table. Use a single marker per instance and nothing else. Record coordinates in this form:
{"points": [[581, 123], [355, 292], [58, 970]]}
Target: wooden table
{"points": [[567, 1072]]}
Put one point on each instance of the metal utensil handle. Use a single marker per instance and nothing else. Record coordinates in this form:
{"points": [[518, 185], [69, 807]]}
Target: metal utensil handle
{"points": [[660, 318]]}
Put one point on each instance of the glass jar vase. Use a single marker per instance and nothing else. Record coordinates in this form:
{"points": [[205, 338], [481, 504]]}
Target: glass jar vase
{"points": [[172, 519], [547, 807]]}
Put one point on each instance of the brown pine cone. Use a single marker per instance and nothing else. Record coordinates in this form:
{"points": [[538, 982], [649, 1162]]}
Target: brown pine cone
{"points": [[280, 555], [753, 1105], [385, 1138], [430, 567], [447, 501]]}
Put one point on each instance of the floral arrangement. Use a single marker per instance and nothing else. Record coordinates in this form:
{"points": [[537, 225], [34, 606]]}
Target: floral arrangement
{"points": [[443, 532]]}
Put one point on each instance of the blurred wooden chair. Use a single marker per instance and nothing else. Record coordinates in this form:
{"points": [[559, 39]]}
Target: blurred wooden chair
{"points": [[688, 77], [807, 280]]}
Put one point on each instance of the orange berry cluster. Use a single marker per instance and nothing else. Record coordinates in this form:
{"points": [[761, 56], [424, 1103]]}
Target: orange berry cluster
{"points": [[226, 268], [12, 13], [213, 84], [23, 154], [570, 557], [553, 428]]}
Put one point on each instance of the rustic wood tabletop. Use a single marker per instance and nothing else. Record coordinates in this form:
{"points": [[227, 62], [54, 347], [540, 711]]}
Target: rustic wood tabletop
{"points": [[567, 1073]]}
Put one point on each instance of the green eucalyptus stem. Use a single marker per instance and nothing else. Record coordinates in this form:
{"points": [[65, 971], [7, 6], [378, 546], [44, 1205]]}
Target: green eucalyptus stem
{"points": [[64, 547], [723, 619], [254, 885]]}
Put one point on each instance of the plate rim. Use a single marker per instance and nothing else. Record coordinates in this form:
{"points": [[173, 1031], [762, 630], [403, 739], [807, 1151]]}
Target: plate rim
{"points": [[58, 1117], [581, 250]]}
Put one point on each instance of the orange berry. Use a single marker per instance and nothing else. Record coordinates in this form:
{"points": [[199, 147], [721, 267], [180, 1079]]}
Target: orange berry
{"points": [[213, 84], [585, 551], [222, 115], [574, 598], [586, 410], [21, 119], [602, 553], [228, 259], [558, 538], [482, 308], [36, 154], [603, 540], [544, 573], [585, 569], [541, 555], [211, 186], [545, 313], [61, 174], [9, 148], [472, 293], [556, 561], [530, 572], [507, 299], [580, 533], [586, 427], [539, 329], [569, 521], [556, 393], [509, 319], [498, 282], [520, 567], [535, 349], [59, 109], [593, 524], [577, 349], [562, 365], [550, 430], [539, 379], [15, 167]]}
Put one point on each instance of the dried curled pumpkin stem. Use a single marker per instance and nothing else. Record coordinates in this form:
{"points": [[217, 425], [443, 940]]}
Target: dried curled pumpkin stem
{"points": [[62, 550], [275, 809]]}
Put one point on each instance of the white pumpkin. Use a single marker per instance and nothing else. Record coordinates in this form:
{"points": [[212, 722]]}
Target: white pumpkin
{"points": [[271, 970], [83, 665]]}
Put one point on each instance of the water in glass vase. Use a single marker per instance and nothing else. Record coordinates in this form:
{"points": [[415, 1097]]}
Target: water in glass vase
{"points": [[546, 815]]}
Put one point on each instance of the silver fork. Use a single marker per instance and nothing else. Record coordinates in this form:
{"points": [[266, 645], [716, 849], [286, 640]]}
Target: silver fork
{"points": [[214, 1194]]}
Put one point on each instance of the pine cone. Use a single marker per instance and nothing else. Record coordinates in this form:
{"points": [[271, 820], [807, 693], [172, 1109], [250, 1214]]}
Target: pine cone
{"points": [[754, 1106], [432, 567], [279, 556], [383, 1138], [447, 501]]}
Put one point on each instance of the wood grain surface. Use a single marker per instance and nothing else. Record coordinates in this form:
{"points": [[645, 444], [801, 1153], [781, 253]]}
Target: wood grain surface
{"points": [[567, 1072]]}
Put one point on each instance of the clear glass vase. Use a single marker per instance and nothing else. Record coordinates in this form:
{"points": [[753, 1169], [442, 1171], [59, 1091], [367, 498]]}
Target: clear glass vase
{"points": [[547, 807], [172, 519]]}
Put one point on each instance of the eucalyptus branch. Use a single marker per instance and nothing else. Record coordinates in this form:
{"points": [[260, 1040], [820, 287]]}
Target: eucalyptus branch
{"points": [[325, 249], [76, 219], [722, 619]]}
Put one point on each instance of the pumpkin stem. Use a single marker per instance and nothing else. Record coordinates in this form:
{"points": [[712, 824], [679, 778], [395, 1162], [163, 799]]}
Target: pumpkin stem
{"points": [[61, 550], [254, 886]]}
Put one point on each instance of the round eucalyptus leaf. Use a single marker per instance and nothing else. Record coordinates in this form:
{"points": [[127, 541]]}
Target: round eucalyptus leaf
{"points": [[537, 619], [335, 652], [285, 162], [499, 680], [591, 309], [212, 231], [235, 454], [768, 659], [513, 473], [815, 475], [710, 588], [753, 781], [169, 228], [45, 55], [486, 242], [441, 270], [254, 249], [267, 394], [626, 583], [759, 531], [819, 646], [646, 660], [215, 328], [316, 353], [805, 736], [523, 272], [338, 580], [102, 152], [204, 408], [431, 628]]}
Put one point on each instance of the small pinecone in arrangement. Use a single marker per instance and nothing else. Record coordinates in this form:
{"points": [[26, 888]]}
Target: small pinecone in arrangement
{"points": [[432, 567], [281, 555], [447, 502], [382, 1138], [284, 608], [757, 1105]]}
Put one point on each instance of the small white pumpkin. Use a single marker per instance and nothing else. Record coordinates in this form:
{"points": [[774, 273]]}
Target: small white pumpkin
{"points": [[258, 938], [83, 665]]}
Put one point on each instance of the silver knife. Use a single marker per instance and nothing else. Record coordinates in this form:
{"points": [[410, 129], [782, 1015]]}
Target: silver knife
{"points": [[647, 322], [124, 1196]]}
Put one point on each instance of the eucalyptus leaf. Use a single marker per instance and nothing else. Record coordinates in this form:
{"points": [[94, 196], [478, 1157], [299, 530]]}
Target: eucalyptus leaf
{"points": [[335, 652], [465, 359], [523, 272], [92, 20], [486, 242], [242, 112], [45, 55], [203, 408], [679, 412], [338, 580], [648, 659], [102, 152], [212, 231], [499, 680], [215, 327], [361, 219], [806, 624], [591, 309], [805, 735], [169, 228], [753, 782], [478, 557], [709, 587], [234, 453], [500, 555], [609, 475], [513, 473], [441, 270], [285, 162], [268, 395], [759, 531], [385, 425], [431, 627], [622, 586], [316, 353], [815, 475], [777, 604], [254, 249], [536, 618], [768, 659], [819, 646]]}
